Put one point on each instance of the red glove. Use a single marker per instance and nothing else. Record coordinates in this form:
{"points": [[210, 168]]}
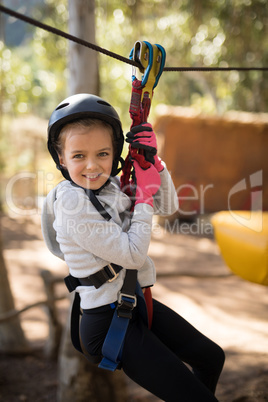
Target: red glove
{"points": [[158, 163], [143, 137], [147, 183]]}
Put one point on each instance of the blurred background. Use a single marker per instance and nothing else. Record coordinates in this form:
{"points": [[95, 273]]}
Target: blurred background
{"points": [[212, 130], [39, 69]]}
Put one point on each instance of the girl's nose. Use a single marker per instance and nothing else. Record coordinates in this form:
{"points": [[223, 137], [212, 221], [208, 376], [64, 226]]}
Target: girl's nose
{"points": [[91, 164]]}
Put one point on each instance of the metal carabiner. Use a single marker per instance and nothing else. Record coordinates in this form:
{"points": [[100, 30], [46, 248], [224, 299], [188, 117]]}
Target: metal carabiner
{"points": [[142, 54], [152, 60], [161, 60]]}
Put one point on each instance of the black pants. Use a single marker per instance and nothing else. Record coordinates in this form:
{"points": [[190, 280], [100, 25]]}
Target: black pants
{"points": [[154, 358]]}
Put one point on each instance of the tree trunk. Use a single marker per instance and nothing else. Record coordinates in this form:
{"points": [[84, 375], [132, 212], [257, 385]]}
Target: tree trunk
{"points": [[79, 380], [83, 62], [12, 339]]}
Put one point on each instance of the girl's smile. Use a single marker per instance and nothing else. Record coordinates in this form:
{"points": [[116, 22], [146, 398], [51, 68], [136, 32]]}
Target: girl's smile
{"points": [[88, 156]]}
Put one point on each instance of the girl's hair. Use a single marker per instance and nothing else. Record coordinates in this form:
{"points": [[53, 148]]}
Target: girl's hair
{"points": [[86, 122]]}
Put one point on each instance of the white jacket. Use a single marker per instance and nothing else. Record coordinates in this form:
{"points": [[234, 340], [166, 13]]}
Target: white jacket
{"points": [[75, 231]]}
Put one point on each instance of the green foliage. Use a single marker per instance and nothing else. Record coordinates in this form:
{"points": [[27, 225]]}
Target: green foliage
{"points": [[194, 33], [33, 80], [33, 75]]}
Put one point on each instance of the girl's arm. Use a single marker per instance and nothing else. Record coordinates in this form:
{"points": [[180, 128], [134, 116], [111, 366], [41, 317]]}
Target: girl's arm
{"points": [[78, 221], [166, 199]]}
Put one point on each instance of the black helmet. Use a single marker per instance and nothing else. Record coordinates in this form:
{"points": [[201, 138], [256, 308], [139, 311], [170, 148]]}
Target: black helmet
{"points": [[80, 106]]}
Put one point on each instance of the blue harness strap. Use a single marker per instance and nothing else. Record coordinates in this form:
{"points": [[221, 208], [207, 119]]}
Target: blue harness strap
{"points": [[113, 345]]}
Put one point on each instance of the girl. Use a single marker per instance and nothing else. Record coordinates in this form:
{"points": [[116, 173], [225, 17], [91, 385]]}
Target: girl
{"points": [[85, 140]]}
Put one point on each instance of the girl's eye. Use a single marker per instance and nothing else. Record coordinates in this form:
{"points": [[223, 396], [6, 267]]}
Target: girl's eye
{"points": [[78, 156], [104, 153]]}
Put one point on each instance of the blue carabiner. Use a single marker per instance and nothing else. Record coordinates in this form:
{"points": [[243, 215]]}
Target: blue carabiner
{"points": [[150, 64], [151, 60], [162, 65]]}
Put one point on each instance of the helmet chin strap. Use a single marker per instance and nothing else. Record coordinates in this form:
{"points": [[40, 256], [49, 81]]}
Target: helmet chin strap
{"points": [[115, 168], [64, 172]]}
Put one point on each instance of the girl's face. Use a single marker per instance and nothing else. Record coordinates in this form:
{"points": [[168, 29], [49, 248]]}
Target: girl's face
{"points": [[88, 155]]}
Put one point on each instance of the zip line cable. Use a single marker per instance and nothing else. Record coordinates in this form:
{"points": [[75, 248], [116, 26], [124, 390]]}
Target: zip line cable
{"points": [[99, 49]]}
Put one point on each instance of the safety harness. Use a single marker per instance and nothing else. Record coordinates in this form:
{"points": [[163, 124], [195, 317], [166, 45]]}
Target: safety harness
{"points": [[127, 300], [152, 60]]}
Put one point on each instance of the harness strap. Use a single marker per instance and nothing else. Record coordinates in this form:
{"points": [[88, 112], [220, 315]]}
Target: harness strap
{"points": [[97, 204], [107, 274], [127, 296], [75, 336], [113, 345], [114, 341], [75, 318]]}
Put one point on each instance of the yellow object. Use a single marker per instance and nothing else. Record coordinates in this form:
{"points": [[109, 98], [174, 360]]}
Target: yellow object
{"points": [[152, 61], [242, 237]]}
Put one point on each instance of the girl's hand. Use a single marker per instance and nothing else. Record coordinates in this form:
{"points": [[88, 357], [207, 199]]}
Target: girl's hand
{"points": [[143, 137], [147, 181]]}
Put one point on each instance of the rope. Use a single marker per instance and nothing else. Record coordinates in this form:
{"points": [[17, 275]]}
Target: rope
{"points": [[206, 69], [65, 35], [99, 49]]}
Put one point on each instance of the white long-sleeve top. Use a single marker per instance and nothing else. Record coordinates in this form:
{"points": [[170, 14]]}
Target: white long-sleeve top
{"points": [[75, 231]]}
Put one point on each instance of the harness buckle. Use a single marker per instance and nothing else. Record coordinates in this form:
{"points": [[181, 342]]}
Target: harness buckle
{"points": [[129, 300], [126, 304], [111, 271]]}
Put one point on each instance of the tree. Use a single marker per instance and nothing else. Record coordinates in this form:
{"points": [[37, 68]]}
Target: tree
{"points": [[81, 381], [83, 62], [12, 337]]}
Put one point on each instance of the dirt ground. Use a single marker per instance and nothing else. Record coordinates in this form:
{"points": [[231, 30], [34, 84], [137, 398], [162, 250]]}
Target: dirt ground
{"points": [[192, 279]]}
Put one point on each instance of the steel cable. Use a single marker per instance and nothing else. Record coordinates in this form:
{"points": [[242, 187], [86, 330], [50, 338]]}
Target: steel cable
{"points": [[99, 49]]}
